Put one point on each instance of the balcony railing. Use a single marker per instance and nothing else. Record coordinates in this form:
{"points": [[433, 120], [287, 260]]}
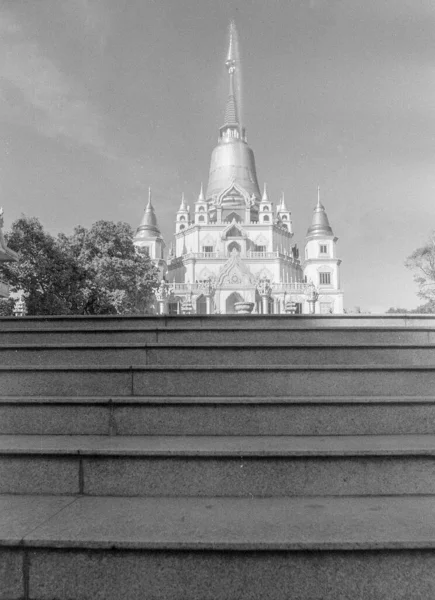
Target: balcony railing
{"points": [[222, 256], [295, 287]]}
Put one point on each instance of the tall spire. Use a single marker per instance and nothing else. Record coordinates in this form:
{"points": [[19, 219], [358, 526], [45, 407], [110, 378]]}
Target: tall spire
{"points": [[232, 123], [232, 160], [320, 224], [231, 112]]}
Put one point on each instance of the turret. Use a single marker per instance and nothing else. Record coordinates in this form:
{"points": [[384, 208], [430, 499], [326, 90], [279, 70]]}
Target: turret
{"points": [[321, 265], [265, 208], [148, 239], [183, 216], [283, 214], [201, 209]]}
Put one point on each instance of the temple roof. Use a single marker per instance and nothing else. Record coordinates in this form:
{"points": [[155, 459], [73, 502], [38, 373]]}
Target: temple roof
{"points": [[320, 224], [148, 227]]}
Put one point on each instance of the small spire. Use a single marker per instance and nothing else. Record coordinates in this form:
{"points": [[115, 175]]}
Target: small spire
{"points": [[183, 205], [201, 197], [149, 205], [319, 204], [265, 197], [282, 205]]}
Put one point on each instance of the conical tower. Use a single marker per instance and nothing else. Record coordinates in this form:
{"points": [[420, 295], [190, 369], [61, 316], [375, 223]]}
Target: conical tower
{"points": [[321, 265], [148, 239], [320, 226], [232, 165]]}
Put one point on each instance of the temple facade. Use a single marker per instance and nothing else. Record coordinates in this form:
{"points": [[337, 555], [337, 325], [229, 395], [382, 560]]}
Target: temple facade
{"points": [[234, 249]]}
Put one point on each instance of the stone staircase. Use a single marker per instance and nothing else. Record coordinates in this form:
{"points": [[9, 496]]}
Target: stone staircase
{"points": [[217, 458]]}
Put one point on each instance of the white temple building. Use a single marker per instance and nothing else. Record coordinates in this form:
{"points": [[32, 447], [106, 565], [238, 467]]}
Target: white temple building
{"points": [[234, 249]]}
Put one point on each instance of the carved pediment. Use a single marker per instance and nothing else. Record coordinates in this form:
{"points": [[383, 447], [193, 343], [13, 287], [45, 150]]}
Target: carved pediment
{"points": [[233, 230], [206, 274], [261, 240], [208, 240], [235, 273], [234, 195]]}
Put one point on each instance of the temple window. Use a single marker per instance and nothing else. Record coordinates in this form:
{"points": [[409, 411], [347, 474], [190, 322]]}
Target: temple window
{"points": [[201, 209], [182, 218], [325, 278], [181, 227], [201, 219], [260, 248], [323, 249], [207, 249], [266, 218]]}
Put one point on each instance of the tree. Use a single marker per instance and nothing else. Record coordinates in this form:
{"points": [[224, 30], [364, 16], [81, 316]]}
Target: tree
{"points": [[7, 307], [116, 278], [95, 271], [422, 263], [48, 278]]}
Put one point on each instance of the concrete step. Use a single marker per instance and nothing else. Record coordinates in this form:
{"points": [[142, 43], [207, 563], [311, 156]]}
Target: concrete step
{"points": [[212, 548], [230, 322], [218, 466], [242, 416], [212, 354], [308, 380], [247, 336]]}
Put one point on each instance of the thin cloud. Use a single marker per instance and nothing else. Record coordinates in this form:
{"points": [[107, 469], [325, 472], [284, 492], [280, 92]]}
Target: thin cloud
{"points": [[96, 17], [34, 89]]}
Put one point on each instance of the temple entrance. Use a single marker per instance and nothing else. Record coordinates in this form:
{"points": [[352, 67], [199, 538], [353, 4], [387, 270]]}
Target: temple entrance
{"points": [[231, 300]]}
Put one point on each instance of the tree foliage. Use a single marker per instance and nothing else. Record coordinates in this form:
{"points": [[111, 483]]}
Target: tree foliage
{"points": [[422, 263], [92, 271], [7, 307]]}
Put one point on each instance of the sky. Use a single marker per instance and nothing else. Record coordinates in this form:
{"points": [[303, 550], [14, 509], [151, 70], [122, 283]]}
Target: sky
{"points": [[100, 99]]}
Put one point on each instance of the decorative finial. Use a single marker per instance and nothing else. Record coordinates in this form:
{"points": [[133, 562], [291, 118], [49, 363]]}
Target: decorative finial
{"points": [[149, 198], [318, 197], [231, 61]]}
